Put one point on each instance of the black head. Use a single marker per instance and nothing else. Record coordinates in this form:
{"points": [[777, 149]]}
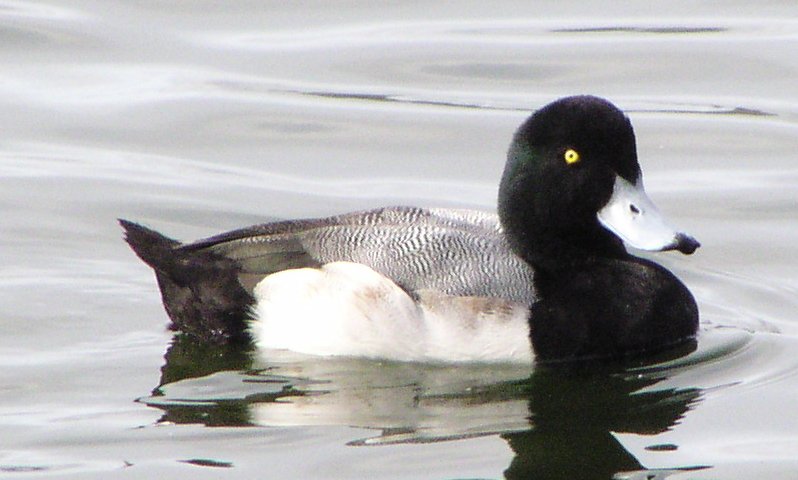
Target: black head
{"points": [[569, 161], [594, 128]]}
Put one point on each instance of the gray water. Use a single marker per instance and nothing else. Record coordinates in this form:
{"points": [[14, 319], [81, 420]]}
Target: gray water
{"points": [[195, 117]]}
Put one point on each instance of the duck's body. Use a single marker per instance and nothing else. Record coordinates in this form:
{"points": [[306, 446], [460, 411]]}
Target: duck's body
{"points": [[402, 283], [547, 278], [419, 249], [346, 308]]}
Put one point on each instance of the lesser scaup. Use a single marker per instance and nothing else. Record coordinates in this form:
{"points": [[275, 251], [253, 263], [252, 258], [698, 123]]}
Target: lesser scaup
{"points": [[547, 278]]}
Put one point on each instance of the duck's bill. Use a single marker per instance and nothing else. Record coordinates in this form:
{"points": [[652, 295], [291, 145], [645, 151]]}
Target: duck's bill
{"points": [[633, 217]]}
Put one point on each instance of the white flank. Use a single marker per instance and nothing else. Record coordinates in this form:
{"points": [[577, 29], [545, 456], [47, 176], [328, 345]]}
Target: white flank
{"points": [[348, 309]]}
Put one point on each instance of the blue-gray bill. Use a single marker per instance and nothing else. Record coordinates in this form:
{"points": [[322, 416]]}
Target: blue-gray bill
{"points": [[634, 218]]}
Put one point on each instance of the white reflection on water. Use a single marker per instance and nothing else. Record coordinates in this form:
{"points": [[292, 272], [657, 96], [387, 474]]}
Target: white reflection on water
{"points": [[10, 9], [108, 85], [59, 162]]}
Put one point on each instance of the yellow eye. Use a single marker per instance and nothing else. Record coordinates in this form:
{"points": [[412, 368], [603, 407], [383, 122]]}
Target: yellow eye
{"points": [[571, 156]]}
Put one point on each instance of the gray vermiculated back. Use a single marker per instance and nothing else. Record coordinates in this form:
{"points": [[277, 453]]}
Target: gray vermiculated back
{"points": [[455, 252]]}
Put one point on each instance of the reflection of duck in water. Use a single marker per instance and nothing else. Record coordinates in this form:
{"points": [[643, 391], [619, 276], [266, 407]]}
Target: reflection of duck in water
{"points": [[560, 422], [575, 417], [548, 278]]}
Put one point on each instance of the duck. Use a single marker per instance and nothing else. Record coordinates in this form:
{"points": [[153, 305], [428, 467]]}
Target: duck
{"points": [[546, 278]]}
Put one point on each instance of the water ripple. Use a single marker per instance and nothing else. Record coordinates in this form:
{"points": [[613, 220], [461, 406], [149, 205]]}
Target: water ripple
{"points": [[492, 31]]}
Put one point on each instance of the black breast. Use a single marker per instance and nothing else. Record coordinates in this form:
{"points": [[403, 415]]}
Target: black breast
{"points": [[610, 308]]}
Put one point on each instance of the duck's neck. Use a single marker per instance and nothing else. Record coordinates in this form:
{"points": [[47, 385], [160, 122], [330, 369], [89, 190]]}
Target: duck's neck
{"points": [[554, 250]]}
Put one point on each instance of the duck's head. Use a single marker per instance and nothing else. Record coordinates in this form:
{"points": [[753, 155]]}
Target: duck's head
{"points": [[573, 187]]}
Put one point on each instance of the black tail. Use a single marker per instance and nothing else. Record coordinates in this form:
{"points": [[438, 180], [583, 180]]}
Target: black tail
{"points": [[199, 288]]}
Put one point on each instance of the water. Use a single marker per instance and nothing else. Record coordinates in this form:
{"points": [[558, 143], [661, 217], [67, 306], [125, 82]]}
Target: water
{"points": [[197, 117]]}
